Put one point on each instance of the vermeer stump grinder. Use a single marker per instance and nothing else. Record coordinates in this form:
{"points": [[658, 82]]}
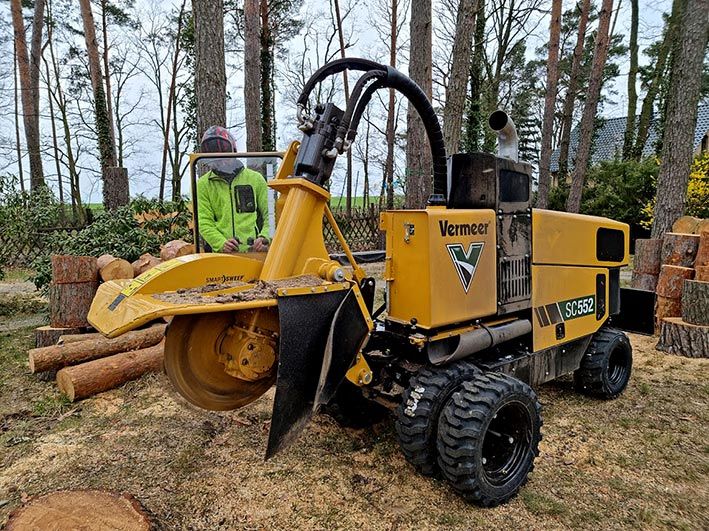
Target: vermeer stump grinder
{"points": [[485, 298]]}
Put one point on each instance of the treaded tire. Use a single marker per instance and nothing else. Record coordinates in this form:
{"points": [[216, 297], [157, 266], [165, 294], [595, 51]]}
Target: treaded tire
{"points": [[351, 409], [421, 404], [488, 438], [606, 366]]}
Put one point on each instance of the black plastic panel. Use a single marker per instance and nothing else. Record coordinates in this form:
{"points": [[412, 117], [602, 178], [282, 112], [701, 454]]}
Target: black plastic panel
{"points": [[610, 245], [514, 187]]}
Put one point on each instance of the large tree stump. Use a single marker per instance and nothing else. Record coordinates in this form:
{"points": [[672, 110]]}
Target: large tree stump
{"points": [[93, 377], [58, 356], [45, 336], [686, 225], [88, 510], [702, 273], [68, 269], [644, 281], [679, 249], [144, 263], [112, 268], [665, 307], [671, 280], [684, 339], [175, 248], [703, 251], [695, 302], [648, 255], [69, 304]]}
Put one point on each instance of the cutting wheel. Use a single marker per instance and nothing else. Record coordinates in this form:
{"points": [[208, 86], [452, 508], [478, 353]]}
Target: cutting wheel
{"points": [[192, 363]]}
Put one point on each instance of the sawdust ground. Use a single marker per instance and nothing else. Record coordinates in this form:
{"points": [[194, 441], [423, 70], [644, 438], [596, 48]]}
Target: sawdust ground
{"points": [[639, 461]]}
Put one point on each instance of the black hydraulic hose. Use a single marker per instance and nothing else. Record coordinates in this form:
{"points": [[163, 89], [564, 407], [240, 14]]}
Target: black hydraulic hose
{"points": [[352, 103], [361, 105], [335, 67]]}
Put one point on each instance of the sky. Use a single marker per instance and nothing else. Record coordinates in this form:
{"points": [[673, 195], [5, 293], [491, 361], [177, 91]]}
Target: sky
{"points": [[144, 160]]}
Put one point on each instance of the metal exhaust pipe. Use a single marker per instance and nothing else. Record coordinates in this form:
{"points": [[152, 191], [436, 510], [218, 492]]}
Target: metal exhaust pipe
{"points": [[507, 139]]}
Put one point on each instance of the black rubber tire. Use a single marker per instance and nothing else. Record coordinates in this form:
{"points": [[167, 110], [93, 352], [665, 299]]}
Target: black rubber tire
{"points": [[488, 438], [606, 366], [421, 404], [351, 409]]}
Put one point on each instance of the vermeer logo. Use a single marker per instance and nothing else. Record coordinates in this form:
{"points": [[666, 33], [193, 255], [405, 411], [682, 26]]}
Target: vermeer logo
{"points": [[461, 229], [465, 263]]}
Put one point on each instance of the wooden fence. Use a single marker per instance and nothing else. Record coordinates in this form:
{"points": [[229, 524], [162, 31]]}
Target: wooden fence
{"points": [[360, 229], [20, 250]]}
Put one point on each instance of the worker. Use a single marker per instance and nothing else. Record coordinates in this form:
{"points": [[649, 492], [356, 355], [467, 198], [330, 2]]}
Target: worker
{"points": [[232, 200]]}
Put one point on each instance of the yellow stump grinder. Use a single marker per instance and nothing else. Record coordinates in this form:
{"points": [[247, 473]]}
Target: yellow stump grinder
{"points": [[485, 298]]}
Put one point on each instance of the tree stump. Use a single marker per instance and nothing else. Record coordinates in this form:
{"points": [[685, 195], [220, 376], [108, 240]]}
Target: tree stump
{"points": [[58, 356], [702, 273], [144, 263], [665, 307], [69, 304], [67, 269], [648, 255], [679, 249], [684, 339], [671, 280], [88, 379], [686, 225], [644, 281], [45, 336], [703, 251], [175, 248], [695, 302], [88, 510]]}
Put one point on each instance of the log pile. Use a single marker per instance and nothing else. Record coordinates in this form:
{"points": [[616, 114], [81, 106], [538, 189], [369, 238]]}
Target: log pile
{"points": [[682, 309], [90, 363], [646, 267]]}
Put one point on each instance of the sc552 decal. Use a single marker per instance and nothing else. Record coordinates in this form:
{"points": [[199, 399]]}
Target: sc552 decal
{"points": [[557, 312]]}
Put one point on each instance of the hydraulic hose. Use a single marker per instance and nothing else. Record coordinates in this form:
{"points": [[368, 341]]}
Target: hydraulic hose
{"points": [[335, 67]]}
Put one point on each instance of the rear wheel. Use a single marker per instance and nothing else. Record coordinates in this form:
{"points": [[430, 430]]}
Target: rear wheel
{"points": [[421, 404], [488, 438], [605, 368]]}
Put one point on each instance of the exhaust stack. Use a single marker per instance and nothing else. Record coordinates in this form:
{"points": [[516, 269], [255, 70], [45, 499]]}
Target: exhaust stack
{"points": [[507, 139]]}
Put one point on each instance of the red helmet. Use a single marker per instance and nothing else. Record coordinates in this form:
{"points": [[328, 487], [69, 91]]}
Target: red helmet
{"points": [[217, 139]]}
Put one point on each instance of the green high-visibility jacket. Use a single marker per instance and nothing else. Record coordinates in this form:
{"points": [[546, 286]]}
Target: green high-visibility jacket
{"points": [[236, 209]]}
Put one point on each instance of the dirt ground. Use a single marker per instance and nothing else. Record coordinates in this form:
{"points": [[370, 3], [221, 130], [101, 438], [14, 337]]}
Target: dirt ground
{"points": [[641, 461]]}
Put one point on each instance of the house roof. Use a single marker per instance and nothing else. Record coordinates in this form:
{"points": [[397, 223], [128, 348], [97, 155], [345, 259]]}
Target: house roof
{"points": [[608, 142]]}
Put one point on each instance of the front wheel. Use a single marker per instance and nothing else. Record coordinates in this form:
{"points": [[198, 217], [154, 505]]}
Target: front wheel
{"points": [[605, 368], [488, 438]]}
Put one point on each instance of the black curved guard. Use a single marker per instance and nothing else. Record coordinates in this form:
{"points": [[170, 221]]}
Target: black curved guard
{"points": [[320, 335]]}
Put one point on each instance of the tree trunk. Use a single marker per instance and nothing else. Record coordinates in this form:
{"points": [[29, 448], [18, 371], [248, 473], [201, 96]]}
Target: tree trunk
{"points": [[632, 77], [702, 273], [45, 336], [18, 145], [695, 302], [391, 117], [549, 105], [644, 281], [29, 83], [681, 120], [583, 153], [210, 75], [107, 76], [69, 303], [666, 307], [473, 123], [671, 280], [684, 339], [58, 356], [345, 79], [567, 113], [55, 142], [252, 74], [702, 258], [680, 249], [648, 256], [460, 71], [69, 269], [419, 163], [267, 111], [103, 374]]}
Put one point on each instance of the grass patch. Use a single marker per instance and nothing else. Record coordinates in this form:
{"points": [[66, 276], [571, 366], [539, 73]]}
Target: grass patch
{"points": [[541, 504]]}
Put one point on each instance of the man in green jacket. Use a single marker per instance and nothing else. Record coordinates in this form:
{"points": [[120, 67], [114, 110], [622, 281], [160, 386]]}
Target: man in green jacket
{"points": [[232, 200]]}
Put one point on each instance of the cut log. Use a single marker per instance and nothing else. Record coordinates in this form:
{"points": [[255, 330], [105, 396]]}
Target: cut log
{"points": [[684, 339], [665, 307], [88, 510], [103, 260], [695, 302], [68, 269], [679, 249], [69, 304], [703, 226], [45, 336], [144, 263], [686, 225], [671, 280], [93, 377], [648, 254], [116, 269], [702, 273], [64, 339], [703, 251], [644, 281], [58, 356], [175, 248]]}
